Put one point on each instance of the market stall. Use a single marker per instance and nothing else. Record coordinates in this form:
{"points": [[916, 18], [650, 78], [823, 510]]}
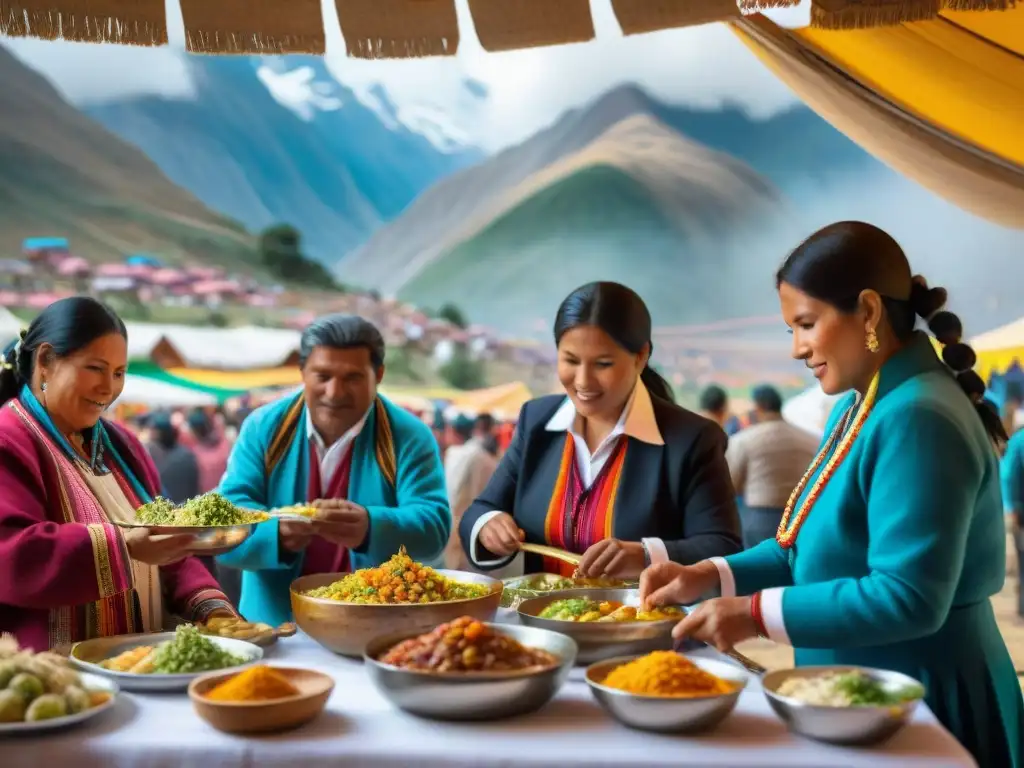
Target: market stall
{"points": [[152, 393], [361, 728]]}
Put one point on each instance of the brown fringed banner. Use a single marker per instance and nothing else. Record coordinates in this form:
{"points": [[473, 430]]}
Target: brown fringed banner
{"points": [[507, 25], [978, 5], [639, 16], [398, 29], [864, 14], [126, 22], [253, 26]]}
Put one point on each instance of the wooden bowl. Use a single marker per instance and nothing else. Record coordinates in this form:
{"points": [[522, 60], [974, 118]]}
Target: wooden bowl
{"points": [[263, 716], [346, 628]]}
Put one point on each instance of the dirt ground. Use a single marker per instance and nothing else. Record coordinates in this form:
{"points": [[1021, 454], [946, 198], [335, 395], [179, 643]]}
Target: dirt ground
{"points": [[1005, 603]]}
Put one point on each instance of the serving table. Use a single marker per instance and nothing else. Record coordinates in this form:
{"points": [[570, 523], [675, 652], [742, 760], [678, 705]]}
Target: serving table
{"points": [[360, 729]]}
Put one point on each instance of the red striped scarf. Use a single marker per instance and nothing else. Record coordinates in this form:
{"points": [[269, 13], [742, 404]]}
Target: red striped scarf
{"points": [[580, 517]]}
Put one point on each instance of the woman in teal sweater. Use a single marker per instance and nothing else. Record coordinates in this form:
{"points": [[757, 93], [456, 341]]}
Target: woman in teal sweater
{"points": [[893, 543]]}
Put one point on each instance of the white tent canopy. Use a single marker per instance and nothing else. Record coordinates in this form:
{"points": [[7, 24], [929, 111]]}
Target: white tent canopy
{"points": [[242, 348], [10, 326], [139, 390], [809, 410]]}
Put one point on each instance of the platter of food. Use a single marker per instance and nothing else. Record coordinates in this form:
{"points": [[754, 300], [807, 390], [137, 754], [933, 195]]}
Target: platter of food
{"points": [[41, 692], [470, 670], [666, 692], [260, 698], [605, 623], [257, 633], [343, 612], [217, 525], [521, 588], [854, 706], [162, 661]]}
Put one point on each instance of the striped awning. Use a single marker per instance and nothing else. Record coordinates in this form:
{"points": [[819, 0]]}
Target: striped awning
{"points": [[412, 28]]}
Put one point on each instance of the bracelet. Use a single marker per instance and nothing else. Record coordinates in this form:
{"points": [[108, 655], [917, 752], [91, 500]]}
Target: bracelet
{"points": [[755, 614]]}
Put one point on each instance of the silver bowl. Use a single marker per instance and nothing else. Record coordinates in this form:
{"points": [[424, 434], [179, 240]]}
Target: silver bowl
{"points": [[473, 696], [520, 588], [346, 628], [209, 540], [88, 654], [602, 640], [850, 726], [667, 714]]}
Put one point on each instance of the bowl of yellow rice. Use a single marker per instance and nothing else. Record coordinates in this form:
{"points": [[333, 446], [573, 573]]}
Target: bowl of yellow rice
{"points": [[344, 611]]}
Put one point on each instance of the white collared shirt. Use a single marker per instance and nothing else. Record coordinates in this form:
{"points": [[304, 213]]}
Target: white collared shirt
{"points": [[636, 420], [331, 457]]}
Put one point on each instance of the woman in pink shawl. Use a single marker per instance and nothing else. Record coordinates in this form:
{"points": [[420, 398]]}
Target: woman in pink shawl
{"points": [[66, 572]]}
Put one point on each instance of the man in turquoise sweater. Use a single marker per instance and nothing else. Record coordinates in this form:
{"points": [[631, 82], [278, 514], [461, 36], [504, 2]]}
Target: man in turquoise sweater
{"points": [[372, 470]]}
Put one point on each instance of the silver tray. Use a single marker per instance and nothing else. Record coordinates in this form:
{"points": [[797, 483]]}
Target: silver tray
{"points": [[209, 539], [88, 654]]}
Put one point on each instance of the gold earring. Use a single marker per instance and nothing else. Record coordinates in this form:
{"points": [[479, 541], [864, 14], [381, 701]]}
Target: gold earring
{"points": [[872, 341]]}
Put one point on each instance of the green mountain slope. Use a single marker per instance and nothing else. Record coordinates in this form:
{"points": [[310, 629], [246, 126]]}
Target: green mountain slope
{"points": [[62, 174], [640, 205]]}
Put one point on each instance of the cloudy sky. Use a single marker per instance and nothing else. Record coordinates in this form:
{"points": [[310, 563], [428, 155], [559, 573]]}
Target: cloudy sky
{"points": [[702, 66]]}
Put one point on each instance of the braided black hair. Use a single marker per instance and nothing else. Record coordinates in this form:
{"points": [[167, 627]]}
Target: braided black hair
{"points": [[839, 262]]}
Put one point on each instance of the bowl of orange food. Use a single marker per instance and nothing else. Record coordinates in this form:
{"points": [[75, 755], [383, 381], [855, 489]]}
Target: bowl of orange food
{"points": [[260, 699], [343, 612], [667, 692], [605, 623], [470, 670]]}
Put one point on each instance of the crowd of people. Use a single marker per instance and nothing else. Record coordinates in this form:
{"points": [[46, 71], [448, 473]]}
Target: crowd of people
{"points": [[888, 536]]}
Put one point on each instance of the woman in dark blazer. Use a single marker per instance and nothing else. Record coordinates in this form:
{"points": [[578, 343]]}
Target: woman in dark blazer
{"points": [[614, 470]]}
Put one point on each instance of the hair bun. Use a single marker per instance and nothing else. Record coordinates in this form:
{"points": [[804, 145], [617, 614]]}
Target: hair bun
{"points": [[972, 384], [959, 357], [926, 301], [946, 327]]}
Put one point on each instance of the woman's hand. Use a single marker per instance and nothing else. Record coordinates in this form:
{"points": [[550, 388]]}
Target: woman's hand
{"points": [[722, 623], [501, 536], [613, 558], [144, 547], [675, 584]]}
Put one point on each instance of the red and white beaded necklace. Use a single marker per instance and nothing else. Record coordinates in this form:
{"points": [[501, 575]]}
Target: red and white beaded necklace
{"points": [[786, 534]]}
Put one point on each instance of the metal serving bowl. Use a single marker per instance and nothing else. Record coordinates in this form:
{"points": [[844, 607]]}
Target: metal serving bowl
{"points": [[666, 714], [473, 696], [852, 726], [520, 588], [346, 628], [602, 640], [209, 540]]}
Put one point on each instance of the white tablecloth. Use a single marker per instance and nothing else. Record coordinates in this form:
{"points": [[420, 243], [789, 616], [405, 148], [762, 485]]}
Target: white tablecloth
{"points": [[360, 728]]}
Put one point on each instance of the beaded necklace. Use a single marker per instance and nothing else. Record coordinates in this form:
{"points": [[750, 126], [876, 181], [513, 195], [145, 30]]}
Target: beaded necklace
{"points": [[786, 534]]}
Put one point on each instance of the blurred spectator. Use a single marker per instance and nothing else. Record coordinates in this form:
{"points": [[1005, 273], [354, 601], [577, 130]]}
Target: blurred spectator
{"points": [[468, 467], [766, 461], [179, 470], [211, 447]]}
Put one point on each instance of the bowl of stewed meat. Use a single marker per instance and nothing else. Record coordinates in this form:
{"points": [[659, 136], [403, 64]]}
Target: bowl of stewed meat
{"points": [[467, 669]]}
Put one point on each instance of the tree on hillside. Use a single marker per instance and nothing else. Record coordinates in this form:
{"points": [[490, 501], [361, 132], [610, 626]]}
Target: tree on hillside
{"points": [[462, 371], [280, 250], [453, 315]]}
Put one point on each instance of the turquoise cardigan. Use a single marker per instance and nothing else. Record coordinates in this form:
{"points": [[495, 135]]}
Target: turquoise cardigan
{"points": [[413, 514], [897, 560]]}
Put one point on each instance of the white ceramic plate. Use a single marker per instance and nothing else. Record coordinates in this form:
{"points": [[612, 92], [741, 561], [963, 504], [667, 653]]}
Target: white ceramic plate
{"points": [[88, 654], [91, 683]]}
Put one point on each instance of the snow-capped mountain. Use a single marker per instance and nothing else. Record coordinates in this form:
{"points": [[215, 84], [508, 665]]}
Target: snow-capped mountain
{"points": [[279, 139]]}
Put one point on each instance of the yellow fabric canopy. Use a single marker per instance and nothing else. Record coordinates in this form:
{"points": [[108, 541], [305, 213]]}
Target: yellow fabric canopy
{"points": [[963, 72], [286, 376], [941, 101], [999, 349]]}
